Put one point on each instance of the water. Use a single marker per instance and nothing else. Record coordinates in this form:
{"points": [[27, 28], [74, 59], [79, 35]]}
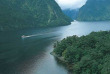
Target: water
{"points": [[31, 55]]}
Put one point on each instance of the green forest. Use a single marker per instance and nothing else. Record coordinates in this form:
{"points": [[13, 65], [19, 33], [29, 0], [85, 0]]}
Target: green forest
{"points": [[95, 10], [20, 14], [87, 54]]}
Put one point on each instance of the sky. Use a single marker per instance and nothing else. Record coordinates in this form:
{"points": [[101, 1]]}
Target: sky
{"points": [[70, 4]]}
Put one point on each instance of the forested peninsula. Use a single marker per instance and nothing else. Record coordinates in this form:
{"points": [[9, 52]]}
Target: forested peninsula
{"points": [[86, 54]]}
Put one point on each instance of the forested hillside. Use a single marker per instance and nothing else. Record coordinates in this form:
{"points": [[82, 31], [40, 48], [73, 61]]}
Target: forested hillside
{"points": [[95, 10], [86, 54], [20, 14]]}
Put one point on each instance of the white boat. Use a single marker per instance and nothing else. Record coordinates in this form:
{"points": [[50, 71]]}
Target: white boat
{"points": [[23, 36]]}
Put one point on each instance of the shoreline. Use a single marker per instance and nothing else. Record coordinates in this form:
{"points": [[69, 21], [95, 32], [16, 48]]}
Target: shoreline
{"points": [[62, 60]]}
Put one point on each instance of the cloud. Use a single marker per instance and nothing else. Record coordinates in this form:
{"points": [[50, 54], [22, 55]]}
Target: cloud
{"points": [[70, 4]]}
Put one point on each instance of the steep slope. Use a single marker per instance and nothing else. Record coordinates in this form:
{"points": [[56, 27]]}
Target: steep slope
{"points": [[95, 10], [71, 13], [20, 14]]}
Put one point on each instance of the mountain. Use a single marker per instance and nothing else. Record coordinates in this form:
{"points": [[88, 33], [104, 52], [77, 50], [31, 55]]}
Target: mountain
{"points": [[20, 14], [71, 13], [95, 10]]}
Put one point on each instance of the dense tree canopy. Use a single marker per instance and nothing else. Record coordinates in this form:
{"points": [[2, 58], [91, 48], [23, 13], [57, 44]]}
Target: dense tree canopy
{"points": [[90, 54]]}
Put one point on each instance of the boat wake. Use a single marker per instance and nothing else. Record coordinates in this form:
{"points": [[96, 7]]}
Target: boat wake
{"points": [[27, 36]]}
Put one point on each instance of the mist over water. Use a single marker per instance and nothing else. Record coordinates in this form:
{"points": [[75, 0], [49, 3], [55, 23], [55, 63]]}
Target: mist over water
{"points": [[31, 55]]}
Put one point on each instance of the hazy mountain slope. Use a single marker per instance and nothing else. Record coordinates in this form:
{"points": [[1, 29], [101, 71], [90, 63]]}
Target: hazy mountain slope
{"points": [[19, 14], [95, 10], [71, 13]]}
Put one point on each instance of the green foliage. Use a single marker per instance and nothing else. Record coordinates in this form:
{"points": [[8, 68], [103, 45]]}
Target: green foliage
{"points": [[18, 14], [95, 10], [90, 54]]}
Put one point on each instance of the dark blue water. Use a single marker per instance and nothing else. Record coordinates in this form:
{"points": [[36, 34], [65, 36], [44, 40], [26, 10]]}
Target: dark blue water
{"points": [[31, 55]]}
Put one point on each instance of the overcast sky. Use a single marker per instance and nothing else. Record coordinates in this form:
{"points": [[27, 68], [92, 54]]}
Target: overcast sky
{"points": [[71, 4]]}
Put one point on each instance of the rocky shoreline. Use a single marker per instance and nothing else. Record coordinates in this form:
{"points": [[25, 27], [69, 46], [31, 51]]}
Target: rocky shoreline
{"points": [[61, 59]]}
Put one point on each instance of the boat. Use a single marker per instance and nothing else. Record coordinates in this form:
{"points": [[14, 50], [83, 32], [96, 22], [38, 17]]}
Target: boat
{"points": [[23, 36]]}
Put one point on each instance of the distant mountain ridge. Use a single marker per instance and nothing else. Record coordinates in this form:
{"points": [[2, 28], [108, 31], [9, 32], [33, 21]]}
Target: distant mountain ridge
{"points": [[20, 14], [95, 10], [71, 13]]}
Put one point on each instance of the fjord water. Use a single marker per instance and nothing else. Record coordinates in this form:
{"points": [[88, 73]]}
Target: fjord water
{"points": [[31, 55]]}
